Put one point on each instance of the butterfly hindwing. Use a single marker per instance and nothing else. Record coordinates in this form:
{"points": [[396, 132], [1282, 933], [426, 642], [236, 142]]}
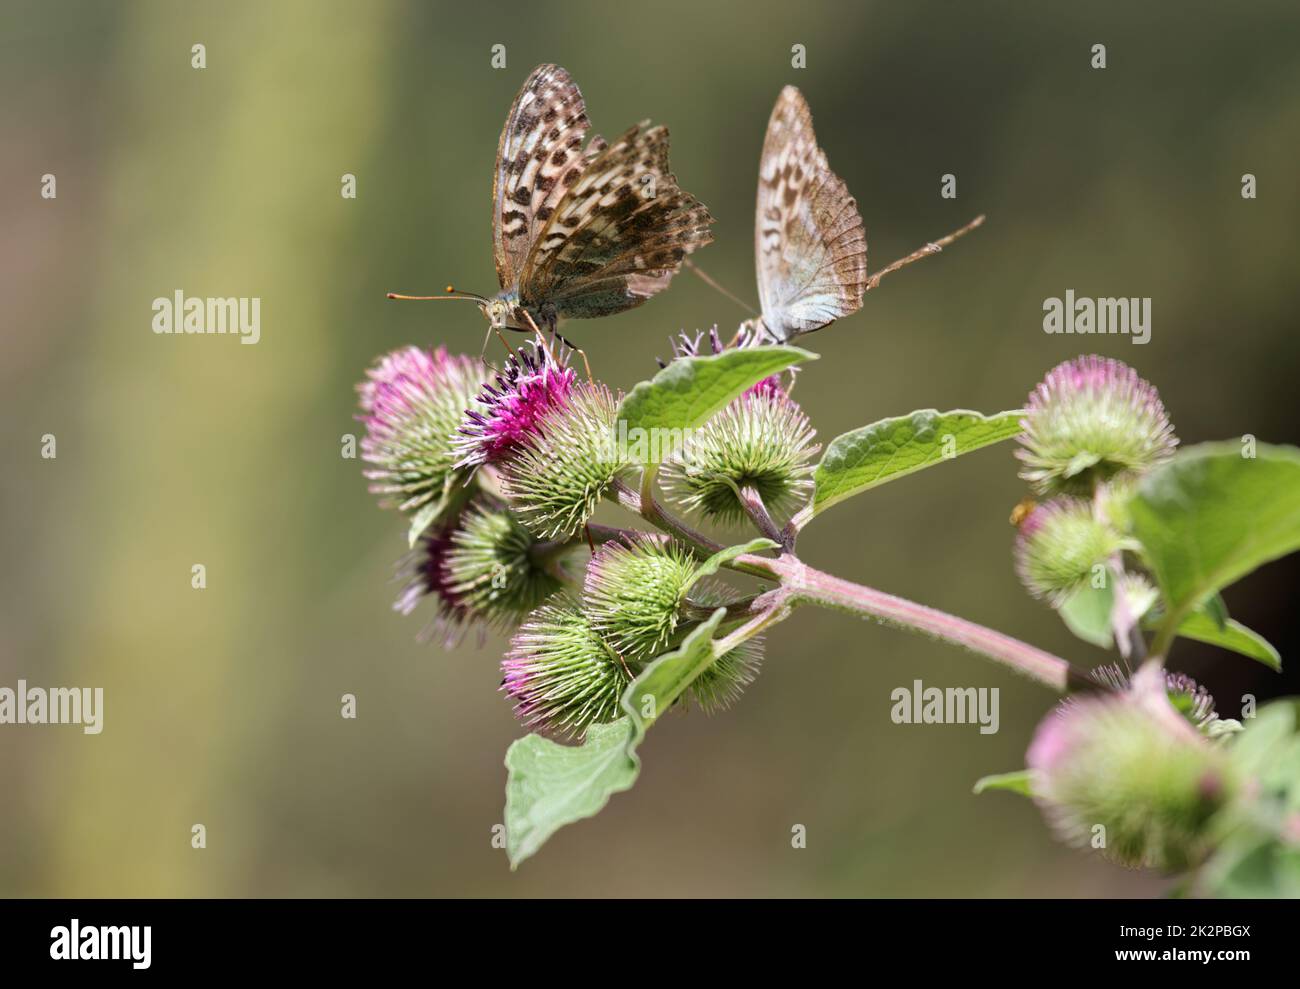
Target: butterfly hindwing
{"points": [[810, 247], [540, 150], [620, 232]]}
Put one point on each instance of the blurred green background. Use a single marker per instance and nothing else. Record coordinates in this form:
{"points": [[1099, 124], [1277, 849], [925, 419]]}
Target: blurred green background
{"points": [[222, 705]]}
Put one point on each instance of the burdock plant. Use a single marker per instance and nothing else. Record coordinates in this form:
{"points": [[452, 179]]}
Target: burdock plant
{"points": [[614, 625]]}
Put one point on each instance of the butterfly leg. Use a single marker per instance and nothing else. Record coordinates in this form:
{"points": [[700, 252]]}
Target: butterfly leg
{"points": [[541, 337], [585, 363], [555, 335], [551, 319], [574, 348], [487, 338]]}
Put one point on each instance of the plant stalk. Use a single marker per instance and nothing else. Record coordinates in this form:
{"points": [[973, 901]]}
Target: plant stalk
{"points": [[810, 586]]}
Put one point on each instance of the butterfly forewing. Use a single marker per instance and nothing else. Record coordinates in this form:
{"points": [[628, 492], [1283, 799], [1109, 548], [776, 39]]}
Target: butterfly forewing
{"points": [[810, 247], [539, 151], [620, 232]]}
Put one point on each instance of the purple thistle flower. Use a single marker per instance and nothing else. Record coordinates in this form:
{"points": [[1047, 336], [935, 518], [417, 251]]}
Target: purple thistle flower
{"points": [[411, 404], [530, 386], [1091, 419]]}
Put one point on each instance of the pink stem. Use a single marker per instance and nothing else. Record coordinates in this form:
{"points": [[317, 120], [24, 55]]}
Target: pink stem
{"points": [[816, 587]]}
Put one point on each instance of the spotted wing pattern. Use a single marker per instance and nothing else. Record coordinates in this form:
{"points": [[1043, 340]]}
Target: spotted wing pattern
{"points": [[539, 155], [810, 247], [619, 234]]}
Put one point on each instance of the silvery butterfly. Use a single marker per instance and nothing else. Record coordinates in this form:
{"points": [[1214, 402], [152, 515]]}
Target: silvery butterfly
{"points": [[810, 247]]}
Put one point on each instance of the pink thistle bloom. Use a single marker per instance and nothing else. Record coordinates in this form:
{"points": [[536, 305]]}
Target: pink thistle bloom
{"points": [[1091, 419], [531, 385], [426, 573], [411, 404]]}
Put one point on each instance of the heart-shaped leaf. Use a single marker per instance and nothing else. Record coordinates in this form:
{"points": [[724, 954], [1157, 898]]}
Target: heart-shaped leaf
{"points": [[1211, 515], [690, 390], [551, 785], [892, 448]]}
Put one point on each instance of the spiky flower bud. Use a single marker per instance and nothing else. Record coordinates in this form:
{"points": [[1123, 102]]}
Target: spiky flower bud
{"points": [[1117, 774], [721, 685], [1188, 697], [1059, 545], [508, 411], [560, 470], [412, 403], [477, 568], [1092, 419], [561, 674], [634, 592], [762, 440], [424, 575], [490, 566]]}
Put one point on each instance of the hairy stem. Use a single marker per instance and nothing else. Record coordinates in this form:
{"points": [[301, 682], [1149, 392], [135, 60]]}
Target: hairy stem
{"points": [[757, 511], [810, 586], [737, 611], [801, 584], [775, 608]]}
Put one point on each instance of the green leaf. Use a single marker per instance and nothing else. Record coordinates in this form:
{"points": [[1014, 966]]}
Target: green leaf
{"points": [[724, 556], [1233, 635], [1254, 858], [1020, 782], [1216, 609], [663, 681], [425, 517], [551, 785], [864, 458], [1268, 737], [691, 389], [1211, 516], [1090, 611], [1087, 611]]}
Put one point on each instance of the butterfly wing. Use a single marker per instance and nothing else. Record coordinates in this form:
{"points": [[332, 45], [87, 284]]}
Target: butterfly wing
{"points": [[810, 247], [619, 233], [540, 145]]}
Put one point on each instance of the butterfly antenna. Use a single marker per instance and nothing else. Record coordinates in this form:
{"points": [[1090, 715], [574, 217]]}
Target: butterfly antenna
{"points": [[714, 285], [934, 247], [451, 292]]}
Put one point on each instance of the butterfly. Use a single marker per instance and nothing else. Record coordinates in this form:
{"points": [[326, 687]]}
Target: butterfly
{"points": [[580, 231], [810, 245]]}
